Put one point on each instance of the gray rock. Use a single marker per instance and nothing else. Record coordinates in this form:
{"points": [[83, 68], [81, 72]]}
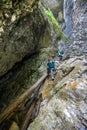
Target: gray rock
{"points": [[65, 106]]}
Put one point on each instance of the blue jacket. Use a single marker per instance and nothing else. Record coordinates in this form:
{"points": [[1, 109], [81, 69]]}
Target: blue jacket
{"points": [[60, 52], [50, 64]]}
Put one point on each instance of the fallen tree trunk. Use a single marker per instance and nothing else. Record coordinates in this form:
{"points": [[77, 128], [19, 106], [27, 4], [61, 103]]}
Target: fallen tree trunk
{"points": [[31, 99], [28, 116], [32, 112], [13, 106]]}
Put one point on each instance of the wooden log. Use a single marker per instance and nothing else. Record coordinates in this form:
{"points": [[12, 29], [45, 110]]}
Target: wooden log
{"points": [[37, 108], [13, 106], [25, 124], [32, 112], [30, 100]]}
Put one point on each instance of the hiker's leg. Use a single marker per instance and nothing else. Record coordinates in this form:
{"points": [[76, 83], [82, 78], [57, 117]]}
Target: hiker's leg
{"points": [[59, 58], [52, 73], [48, 71]]}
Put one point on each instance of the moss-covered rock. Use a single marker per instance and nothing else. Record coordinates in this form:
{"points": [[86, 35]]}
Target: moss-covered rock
{"points": [[20, 37]]}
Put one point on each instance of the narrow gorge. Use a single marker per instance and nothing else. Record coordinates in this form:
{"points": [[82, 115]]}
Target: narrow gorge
{"points": [[31, 32]]}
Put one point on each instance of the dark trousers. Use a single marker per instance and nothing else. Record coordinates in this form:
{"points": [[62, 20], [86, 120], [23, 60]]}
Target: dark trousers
{"points": [[60, 57]]}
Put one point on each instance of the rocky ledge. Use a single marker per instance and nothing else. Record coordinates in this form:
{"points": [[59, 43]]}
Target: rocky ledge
{"points": [[64, 105]]}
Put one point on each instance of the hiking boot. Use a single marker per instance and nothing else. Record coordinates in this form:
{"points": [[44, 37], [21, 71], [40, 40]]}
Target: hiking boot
{"points": [[52, 78]]}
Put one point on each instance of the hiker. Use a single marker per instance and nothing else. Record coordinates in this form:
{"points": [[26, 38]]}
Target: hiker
{"points": [[51, 68], [60, 55]]}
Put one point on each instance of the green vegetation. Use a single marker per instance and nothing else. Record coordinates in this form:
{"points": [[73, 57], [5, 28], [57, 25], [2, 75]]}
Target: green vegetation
{"points": [[55, 24]]}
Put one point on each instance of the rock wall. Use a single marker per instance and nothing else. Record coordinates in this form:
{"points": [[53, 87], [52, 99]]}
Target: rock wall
{"points": [[20, 38], [78, 44], [67, 13]]}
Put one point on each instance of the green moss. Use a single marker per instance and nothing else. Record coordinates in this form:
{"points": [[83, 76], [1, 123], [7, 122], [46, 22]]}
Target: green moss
{"points": [[55, 24]]}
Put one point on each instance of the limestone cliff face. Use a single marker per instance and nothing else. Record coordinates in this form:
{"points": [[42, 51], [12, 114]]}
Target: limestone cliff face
{"points": [[67, 13], [78, 45], [19, 36]]}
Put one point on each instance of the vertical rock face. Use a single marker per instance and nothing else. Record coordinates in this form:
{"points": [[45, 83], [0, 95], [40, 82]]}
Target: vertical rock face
{"points": [[20, 38], [67, 11], [79, 46]]}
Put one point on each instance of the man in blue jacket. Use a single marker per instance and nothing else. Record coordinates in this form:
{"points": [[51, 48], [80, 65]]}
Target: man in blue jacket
{"points": [[51, 68], [60, 55]]}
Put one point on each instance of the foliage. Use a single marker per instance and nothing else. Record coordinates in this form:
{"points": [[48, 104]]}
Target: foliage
{"points": [[55, 24]]}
